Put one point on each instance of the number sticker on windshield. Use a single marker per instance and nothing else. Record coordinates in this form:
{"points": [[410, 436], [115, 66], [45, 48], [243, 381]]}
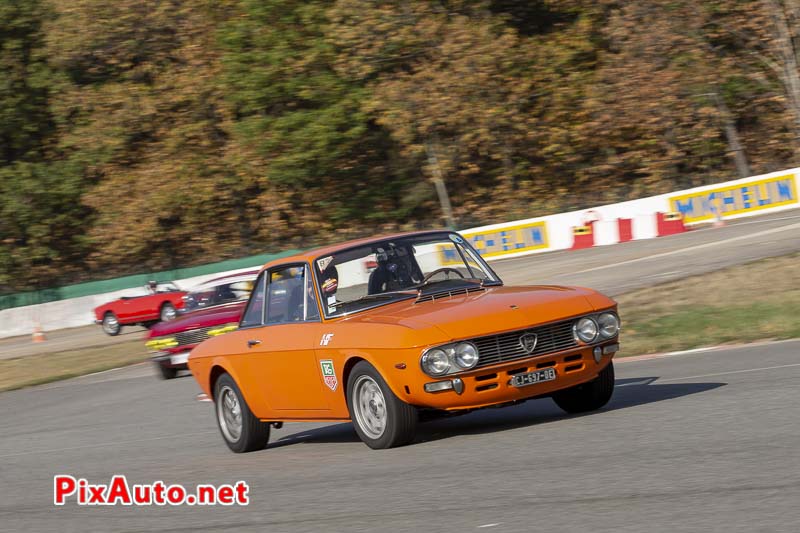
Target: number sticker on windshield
{"points": [[323, 263]]}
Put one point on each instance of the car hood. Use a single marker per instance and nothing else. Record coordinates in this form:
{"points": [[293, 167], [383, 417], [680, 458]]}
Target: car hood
{"points": [[489, 311], [201, 318]]}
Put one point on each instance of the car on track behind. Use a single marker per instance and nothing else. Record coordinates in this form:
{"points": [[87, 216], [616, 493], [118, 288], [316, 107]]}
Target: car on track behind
{"points": [[161, 302], [380, 331], [210, 309]]}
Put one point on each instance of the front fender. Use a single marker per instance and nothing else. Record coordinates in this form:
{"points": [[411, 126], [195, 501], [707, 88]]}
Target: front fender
{"points": [[397, 379]]}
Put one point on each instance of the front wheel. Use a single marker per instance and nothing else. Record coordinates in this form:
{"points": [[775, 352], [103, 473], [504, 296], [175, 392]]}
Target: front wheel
{"points": [[111, 324], [381, 419], [167, 372], [240, 429], [588, 396]]}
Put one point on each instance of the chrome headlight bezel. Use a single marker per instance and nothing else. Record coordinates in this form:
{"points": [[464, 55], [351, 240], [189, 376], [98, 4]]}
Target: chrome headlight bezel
{"points": [[465, 355], [432, 357], [577, 329], [457, 355], [611, 319]]}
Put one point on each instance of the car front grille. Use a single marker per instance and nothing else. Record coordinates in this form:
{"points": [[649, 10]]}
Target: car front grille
{"points": [[193, 336], [551, 338]]}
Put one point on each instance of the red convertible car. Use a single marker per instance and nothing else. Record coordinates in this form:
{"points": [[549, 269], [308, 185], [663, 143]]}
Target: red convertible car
{"points": [[211, 309], [160, 304]]}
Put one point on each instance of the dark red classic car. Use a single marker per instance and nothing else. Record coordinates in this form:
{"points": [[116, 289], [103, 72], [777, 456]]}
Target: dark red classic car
{"points": [[211, 309], [161, 303]]}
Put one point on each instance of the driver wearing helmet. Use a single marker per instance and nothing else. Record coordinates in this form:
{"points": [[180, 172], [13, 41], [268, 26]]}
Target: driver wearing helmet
{"points": [[392, 273]]}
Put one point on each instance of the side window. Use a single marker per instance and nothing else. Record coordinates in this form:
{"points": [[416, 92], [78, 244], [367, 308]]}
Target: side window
{"points": [[254, 314], [285, 295], [288, 298]]}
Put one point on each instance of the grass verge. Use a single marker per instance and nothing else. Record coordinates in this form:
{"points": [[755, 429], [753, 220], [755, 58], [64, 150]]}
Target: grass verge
{"points": [[43, 368], [752, 302], [756, 301]]}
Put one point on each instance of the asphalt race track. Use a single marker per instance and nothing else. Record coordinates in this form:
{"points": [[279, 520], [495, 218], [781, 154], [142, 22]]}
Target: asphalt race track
{"points": [[611, 269], [696, 442], [702, 441]]}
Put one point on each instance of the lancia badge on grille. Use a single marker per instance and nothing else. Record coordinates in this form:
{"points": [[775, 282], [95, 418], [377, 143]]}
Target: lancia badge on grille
{"points": [[528, 342]]}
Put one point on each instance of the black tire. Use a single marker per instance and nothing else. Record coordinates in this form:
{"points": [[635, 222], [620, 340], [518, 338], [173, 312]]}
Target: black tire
{"points": [[253, 434], [400, 419], [168, 312], [111, 324], [167, 372], [588, 396]]}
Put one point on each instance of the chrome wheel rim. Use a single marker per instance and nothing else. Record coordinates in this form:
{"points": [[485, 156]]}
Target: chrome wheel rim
{"points": [[110, 323], [369, 406], [168, 313], [229, 414]]}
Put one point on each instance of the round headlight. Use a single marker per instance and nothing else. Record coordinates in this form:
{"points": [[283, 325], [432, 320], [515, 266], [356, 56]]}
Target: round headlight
{"points": [[466, 355], [585, 330], [435, 362], [609, 325]]}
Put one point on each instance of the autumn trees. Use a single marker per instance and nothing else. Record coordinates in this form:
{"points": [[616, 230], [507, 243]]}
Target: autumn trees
{"points": [[148, 134]]}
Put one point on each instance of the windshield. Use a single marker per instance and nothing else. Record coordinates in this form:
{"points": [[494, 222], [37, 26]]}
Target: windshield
{"points": [[218, 293], [390, 270]]}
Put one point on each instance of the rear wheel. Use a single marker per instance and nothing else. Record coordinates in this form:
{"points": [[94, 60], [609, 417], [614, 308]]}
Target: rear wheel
{"points": [[111, 324], [381, 419], [240, 429], [168, 312], [588, 396]]}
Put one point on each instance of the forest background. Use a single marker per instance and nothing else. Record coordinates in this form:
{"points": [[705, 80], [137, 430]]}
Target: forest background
{"points": [[140, 135]]}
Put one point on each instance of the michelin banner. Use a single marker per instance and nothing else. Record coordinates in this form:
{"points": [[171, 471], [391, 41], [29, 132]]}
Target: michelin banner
{"points": [[750, 197], [510, 239]]}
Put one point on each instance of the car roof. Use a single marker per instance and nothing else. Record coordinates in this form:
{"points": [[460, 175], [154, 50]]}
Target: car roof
{"points": [[235, 275], [216, 281], [309, 255]]}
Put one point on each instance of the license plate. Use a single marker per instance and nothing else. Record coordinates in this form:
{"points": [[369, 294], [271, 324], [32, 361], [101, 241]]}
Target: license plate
{"points": [[532, 378], [179, 359]]}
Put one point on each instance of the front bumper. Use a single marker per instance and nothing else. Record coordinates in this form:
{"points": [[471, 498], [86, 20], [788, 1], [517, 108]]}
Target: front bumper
{"points": [[490, 385], [172, 360]]}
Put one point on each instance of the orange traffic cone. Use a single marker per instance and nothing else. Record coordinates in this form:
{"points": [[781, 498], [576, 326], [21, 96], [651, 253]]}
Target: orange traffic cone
{"points": [[38, 334]]}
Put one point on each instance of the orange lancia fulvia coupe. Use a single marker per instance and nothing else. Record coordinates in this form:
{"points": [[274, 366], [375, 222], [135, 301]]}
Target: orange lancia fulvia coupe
{"points": [[380, 331]]}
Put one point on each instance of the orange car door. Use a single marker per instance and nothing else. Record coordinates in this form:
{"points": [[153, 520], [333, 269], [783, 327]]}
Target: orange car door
{"points": [[281, 355]]}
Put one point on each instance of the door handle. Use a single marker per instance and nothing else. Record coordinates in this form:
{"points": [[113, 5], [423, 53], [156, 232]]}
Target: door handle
{"points": [[252, 343]]}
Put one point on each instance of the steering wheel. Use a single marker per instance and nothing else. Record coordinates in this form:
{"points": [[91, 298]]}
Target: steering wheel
{"points": [[429, 275]]}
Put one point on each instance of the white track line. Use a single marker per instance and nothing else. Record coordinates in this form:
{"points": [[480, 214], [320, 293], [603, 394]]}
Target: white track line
{"points": [[749, 345], [695, 247], [731, 372]]}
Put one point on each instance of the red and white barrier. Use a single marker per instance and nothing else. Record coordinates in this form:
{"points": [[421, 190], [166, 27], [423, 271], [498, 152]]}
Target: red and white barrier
{"points": [[644, 227], [605, 232], [583, 236], [669, 224]]}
